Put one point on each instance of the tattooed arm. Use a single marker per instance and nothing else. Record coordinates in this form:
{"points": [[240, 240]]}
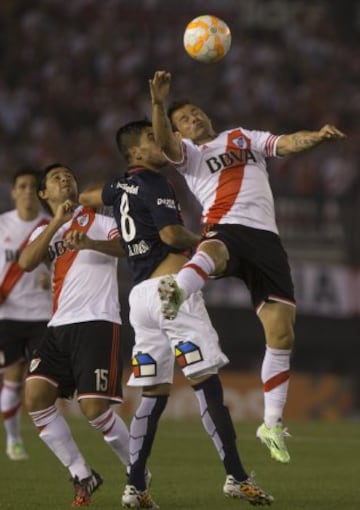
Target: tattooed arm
{"points": [[303, 140]]}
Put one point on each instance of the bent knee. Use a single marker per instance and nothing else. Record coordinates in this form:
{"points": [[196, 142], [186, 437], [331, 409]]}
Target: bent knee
{"points": [[39, 394], [218, 252], [93, 407]]}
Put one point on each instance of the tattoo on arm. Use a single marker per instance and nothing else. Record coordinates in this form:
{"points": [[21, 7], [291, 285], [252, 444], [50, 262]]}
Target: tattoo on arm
{"points": [[304, 140]]}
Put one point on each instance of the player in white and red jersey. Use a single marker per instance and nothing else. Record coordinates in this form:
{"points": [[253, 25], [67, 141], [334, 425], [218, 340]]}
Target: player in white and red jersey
{"points": [[227, 173], [154, 239], [81, 350], [25, 303]]}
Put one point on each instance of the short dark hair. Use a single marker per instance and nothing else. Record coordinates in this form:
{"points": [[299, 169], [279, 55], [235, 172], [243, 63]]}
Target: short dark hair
{"points": [[176, 105], [46, 170], [129, 134], [26, 170], [42, 182]]}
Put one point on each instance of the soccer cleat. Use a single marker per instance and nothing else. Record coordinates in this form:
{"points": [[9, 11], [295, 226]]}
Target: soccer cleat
{"points": [[133, 498], [273, 438], [83, 489], [171, 297], [247, 490], [16, 451]]}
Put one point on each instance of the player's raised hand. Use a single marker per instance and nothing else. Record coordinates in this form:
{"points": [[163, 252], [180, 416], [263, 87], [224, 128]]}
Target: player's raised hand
{"points": [[160, 87], [329, 132], [65, 211]]}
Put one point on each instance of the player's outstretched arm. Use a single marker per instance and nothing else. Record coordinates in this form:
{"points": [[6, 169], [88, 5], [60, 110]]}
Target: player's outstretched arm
{"points": [[92, 197], [169, 142], [76, 240], [303, 140]]}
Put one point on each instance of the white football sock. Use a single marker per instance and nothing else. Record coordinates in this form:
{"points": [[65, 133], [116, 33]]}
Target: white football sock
{"points": [[10, 405], [55, 433], [115, 432], [275, 373], [193, 276]]}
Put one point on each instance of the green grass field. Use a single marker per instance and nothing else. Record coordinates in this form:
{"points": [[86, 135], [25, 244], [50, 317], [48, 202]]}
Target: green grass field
{"points": [[324, 473]]}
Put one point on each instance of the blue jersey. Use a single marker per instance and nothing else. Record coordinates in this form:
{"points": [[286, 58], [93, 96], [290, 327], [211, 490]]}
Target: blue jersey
{"points": [[144, 202]]}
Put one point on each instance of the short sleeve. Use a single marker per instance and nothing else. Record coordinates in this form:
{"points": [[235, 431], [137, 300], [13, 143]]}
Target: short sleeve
{"points": [[36, 232], [162, 203], [109, 193]]}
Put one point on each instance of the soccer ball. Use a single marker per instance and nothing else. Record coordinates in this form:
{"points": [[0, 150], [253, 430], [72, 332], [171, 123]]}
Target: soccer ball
{"points": [[207, 39]]}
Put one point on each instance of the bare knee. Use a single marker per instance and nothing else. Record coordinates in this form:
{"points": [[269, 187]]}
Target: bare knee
{"points": [[93, 407], [39, 394], [16, 372], [217, 251]]}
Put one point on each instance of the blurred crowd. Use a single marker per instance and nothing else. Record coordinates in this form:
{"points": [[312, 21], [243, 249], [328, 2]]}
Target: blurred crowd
{"points": [[72, 72]]}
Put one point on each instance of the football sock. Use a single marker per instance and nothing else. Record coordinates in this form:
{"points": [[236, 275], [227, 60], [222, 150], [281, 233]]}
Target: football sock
{"points": [[142, 434], [10, 405], [55, 433], [115, 433], [193, 276], [275, 373], [218, 424]]}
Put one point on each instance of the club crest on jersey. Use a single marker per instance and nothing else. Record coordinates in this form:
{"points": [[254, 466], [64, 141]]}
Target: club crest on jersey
{"points": [[143, 365], [240, 142], [83, 220], [35, 362], [211, 233], [187, 353]]}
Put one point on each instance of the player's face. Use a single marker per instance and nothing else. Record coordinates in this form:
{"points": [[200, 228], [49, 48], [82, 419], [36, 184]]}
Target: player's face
{"points": [[24, 192], [149, 152], [192, 122], [61, 185]]}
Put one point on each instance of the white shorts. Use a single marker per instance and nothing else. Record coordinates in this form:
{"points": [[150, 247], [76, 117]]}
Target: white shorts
{"points": [[190, 338]]}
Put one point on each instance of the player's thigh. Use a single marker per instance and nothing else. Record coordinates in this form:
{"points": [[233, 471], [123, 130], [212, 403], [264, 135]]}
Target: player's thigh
{"points": [[96, 360], [51, 362], [152, 356], [152, 361], [194, 339]]}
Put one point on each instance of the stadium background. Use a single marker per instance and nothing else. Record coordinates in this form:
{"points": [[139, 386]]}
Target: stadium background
{"points": [[72, 72]]}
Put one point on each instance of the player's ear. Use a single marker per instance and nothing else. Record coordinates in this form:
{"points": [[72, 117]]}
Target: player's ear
{"points": [[42, 194], [135, 153]]}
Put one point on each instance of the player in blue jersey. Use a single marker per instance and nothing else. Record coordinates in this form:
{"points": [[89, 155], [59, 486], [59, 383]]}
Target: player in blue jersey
{"points": [[154, 239]]}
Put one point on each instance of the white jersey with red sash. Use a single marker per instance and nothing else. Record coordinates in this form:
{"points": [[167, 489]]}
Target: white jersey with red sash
{"points": [[84, 282], [229, 177], [21, 294]]}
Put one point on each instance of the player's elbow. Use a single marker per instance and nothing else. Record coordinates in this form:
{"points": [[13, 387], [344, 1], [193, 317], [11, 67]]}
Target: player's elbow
{"points": [[170, 235], [25, 263]]}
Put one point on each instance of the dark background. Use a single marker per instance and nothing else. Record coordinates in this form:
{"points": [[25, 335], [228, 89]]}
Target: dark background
{"points": [[73, 72]]}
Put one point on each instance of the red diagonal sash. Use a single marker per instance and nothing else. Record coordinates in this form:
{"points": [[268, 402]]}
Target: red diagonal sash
{"points": [[14, 271]]}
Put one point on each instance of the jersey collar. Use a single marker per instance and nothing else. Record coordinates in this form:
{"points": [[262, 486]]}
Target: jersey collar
{"points": [[135, 168]]}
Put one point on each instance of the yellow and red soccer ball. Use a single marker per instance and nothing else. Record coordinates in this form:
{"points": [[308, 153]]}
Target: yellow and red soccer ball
{"points": [[207, 39]]}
